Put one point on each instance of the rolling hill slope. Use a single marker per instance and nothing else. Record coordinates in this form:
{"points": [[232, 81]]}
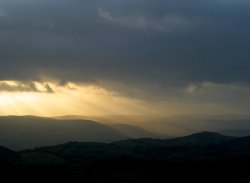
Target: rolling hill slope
{"points": [[18, 132], [203, 157]]}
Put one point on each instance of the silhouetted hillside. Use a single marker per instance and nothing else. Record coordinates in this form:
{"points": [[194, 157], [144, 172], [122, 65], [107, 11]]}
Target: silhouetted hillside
{"points": [[30, 131], [203, 157], [205, 145], [203, 138], [7, 157]]}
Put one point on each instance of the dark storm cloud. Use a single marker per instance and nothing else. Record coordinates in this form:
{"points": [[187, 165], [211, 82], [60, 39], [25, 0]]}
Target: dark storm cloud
{"points": [[139, 42]]}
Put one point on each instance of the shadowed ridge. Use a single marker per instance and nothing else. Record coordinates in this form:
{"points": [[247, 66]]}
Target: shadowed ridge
{"points": [[193, 139], [240, 146], [204, 145], [203, 138], [32, 131], [7, 156], [82, 152], [5, 151], [205, 135]]}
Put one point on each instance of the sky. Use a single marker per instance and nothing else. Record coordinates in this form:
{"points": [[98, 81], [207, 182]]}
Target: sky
{"points": [[124, 57]]}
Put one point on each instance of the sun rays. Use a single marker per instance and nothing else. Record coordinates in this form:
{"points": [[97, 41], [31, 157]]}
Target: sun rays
{"points": [[34, 98]]}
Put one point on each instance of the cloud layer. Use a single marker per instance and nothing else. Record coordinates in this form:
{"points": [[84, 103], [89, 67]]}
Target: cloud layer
{"points": [[167, 23], [31, 86], [143, 49], [123, 40]]}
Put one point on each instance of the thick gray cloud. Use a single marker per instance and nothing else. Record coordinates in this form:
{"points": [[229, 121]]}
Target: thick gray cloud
{"points": [[137, 42]]}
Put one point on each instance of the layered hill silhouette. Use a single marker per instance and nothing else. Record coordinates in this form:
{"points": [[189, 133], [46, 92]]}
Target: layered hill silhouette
{"points": [[201, 157], [23, 132], [200, 146], [73, 149]]}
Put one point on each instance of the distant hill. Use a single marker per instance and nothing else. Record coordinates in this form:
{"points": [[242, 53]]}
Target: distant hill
{"points": [[236, 132], [133, 131], [90, 141], [24, 132]]}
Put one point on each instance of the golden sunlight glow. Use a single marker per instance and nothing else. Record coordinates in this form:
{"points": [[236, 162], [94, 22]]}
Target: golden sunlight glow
{"points": [[71, 99], [52, 99]]}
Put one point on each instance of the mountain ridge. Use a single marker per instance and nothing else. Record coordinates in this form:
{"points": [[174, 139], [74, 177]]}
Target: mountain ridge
{"points": [[148, 148], [34, 131], [136, 160]]}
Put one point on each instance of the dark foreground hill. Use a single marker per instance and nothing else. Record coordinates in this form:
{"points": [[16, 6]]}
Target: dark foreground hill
{"points": [[202, 157]]}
